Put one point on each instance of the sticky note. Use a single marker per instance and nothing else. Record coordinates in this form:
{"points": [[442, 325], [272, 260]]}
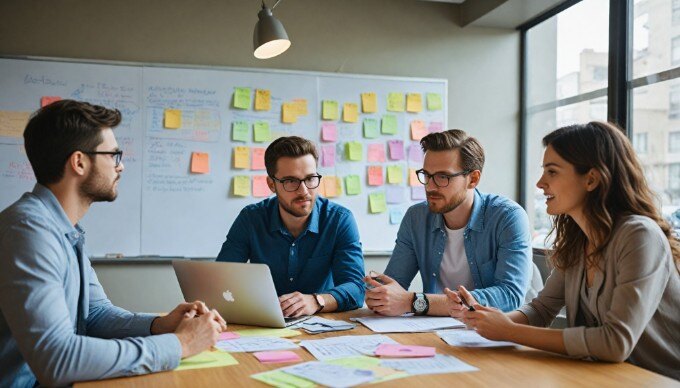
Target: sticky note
{"points": [[396, 215], [12, 123], [329, 110], [369, 102], [389, 124], [371, 128], [395, 174], [418, 130], [240, 131], [352, 185], [260, 187], [46, 100], [350, 113], [376, 153], [435, 126], [329, 132], [271, 357], [242, 186], [300, 106], [354, 150], [328, 155], [415, 153], [398, 350], [258, 159], [395, 194], [414, 102], [228, 335], [418, 193], [413, 178], [200, 163], [207, 359], [375, 176], [396, 149], [241, 157], [434, 101], [288, 115], [331, 186], [263, 99], [377, 203], [279, 378], [242, 98], [261, 131], [172, 118], [395, 102]]}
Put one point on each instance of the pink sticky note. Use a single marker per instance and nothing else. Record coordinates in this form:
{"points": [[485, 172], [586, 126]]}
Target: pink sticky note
{"points": [[328, 155], [329, 132], [375, 175], [395, 350], [418, 130], [227, 335], [277, 356], [418, 193], [396, 149], [260, 187], [46, 100], [376, 153], [415, 153], [258, 158], [435, 126]]}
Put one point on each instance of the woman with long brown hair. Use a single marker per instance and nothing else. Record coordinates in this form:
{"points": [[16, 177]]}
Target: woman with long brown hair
{"points": [[615, 258]]}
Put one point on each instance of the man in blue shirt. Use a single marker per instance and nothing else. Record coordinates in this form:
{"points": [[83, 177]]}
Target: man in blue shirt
{"points": [[310, 244], [458, 239], [56, 324]]}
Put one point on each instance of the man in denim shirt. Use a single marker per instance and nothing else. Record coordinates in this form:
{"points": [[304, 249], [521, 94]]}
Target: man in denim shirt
{"points": [[310, 244], [459, 239]]}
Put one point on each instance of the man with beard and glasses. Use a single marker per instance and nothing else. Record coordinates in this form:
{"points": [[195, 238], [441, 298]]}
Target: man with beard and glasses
{"points": [[310, 244], [56, 324], [477, 244]]}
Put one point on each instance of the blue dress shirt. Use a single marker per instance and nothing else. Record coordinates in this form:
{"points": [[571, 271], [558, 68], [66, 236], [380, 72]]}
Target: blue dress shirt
{"points": [[40, 284], [497, 245], [325, 258]]}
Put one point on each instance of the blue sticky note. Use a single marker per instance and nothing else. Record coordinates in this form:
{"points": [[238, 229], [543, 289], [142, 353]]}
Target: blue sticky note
{"points": [[396, 215]]}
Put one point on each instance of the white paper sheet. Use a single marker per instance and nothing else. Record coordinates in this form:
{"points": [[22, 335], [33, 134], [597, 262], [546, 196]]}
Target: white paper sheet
{"points": [[345, 346], [317, 325], [329, 374], [433, 365], [470, 339], [411, 324], [255, 344]]}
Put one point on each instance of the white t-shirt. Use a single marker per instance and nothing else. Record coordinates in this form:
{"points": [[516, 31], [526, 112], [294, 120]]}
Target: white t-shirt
{"points": [[455, 270]]}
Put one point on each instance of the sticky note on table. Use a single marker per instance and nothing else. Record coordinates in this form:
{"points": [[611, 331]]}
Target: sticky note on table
{"points": [[207, 359], [396, 149], [172, 118], [396, 215], [242, 98], [261, 131], [375, 175], [228, 335], [352, 185], [418, 193], [13, 123], [395, 174], [300, 106], [395, 102], [240, 131], [260, 187], [241, 157], [377, 202], [413, 178], [376, 153], [434, 101], [279, 378], [435, 126], [369, 102], [200, 163], [350, 113], [329, 110], [389, 124], [418, 130], [329, 132], [258, 159], [262, 99], [331, 186], [371, 128], [328, 155], [415, 153], [277, 356], [46, 100], [354, 150], [288, 115], [242, 186], [395, 194], [397, 350], [414, 102]]}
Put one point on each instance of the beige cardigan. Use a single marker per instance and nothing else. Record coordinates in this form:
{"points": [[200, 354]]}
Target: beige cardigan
{"points": [[637, 304]]}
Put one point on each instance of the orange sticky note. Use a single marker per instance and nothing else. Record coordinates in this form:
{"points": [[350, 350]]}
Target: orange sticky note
{"points": [[260, 187], [241, 157], [412, 177], [200, 163], [369, 102], [300, 106], [288, 115], [418, 130], [414, 102], [331, 186], [46, 100], [258, 159], [172, 119], [262, 99], [375, 175]]}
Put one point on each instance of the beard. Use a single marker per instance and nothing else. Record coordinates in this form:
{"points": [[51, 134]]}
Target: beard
{"points": [[95, 188], [288, 207], [452, 204]]}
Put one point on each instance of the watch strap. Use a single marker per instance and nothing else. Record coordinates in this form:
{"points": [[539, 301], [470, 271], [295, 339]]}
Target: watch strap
{"points": [[319, 300]]}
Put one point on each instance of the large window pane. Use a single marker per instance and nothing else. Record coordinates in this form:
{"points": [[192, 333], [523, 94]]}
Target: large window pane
{"points": [[656, 36]]}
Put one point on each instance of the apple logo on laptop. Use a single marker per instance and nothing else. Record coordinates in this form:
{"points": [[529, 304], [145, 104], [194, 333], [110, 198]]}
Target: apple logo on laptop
{"points": [[228, 296]]}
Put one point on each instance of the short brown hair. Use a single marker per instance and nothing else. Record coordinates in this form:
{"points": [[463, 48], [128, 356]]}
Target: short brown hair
{"points": [[292, 147], [471, 152]]}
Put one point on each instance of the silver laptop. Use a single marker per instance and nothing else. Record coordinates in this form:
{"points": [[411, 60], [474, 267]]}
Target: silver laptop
{"points": [[243, 293]]}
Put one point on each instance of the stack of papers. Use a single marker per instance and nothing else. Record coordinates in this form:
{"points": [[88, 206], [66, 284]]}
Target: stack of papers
{"points": [[423, 366], [345, 346], [411, 324], [470, 339], [316, 325], [255, 344]]}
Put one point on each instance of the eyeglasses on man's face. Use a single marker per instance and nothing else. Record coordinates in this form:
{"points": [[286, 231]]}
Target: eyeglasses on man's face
{"points": [[440, 179], [292, 184], [117, 155]]}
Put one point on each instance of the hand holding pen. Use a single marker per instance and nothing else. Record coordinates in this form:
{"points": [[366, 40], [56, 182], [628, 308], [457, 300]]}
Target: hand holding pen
{"points": [[459, 301]]}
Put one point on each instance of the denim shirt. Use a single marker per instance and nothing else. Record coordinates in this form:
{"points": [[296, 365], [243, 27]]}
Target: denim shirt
{"points": [[40, 280], [325, 258], [497, 244]]}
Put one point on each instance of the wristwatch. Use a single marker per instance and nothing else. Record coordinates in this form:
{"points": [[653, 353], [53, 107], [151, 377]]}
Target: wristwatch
{"points": [[420, 304], [320, 302]]}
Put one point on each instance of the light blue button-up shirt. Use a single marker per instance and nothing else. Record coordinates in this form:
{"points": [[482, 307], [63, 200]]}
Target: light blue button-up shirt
{"points": [[39, 288], [497, 245]]}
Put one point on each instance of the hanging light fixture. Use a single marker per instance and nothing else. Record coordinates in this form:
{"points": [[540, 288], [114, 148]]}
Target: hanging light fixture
{"points": [[270, 38]]}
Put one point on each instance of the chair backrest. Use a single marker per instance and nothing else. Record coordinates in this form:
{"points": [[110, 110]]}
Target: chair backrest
{"points": [[536, 284]]}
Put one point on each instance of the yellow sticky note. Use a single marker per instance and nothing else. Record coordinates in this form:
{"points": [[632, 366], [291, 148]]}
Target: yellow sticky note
{"points": [[278, 378], [395, 102], [369, 102], [288, 115], [350, 113], [331, 186], [241, 157], [413, 178], [354, 150], [418, 130], [377, 203], [172, 118], [207, 359], [200, 163], [242, 186], [414, 102], [12, 124], [300, 106], [260, 187], [264, 332], [329, 110], [262, 99], [395, 174]]}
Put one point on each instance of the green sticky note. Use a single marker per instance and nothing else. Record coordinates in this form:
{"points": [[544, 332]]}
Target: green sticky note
{"points": [[242, 98], [434, 101], [377, 202], [278, 378], [395, 102], [389, 124], [240, 131], [268, 333], [207, 359], [262, 132], [353, 184], [355, 150], [358, 362], [395, 174], [329, 110], [371, 128]]}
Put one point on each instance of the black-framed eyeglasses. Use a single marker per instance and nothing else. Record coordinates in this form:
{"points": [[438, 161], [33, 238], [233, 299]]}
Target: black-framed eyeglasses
{"points": [[118, 155], [292, 184], [440, 179]]}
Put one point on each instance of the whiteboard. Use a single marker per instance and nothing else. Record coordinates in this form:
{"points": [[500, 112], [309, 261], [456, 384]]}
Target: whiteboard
{"points": [[163, 208]]}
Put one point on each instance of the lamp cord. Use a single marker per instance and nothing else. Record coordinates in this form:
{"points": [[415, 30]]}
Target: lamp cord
{"points": [[275, 4]]}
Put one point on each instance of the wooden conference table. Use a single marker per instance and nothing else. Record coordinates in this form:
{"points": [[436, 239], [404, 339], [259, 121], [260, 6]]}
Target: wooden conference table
{"points": [[498, 367]]}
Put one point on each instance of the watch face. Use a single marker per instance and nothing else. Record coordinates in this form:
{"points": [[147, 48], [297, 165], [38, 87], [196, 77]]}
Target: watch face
{"points": [[419, 305]]}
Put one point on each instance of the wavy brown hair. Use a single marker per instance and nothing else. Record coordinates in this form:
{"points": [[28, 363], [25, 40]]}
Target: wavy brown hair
{"points": [[622, 190]]}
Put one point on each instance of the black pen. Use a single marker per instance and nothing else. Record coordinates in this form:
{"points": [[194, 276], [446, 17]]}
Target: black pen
{"points": [[465, 303]]}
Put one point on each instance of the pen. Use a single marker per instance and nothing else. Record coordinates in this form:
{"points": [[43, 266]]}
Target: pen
{"points": [[373, 275], [465, 303]]}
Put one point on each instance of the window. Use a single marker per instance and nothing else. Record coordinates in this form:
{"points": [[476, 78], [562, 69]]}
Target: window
{"points": [[674, 142], [674, 102], [674, 178], [676, 12], [675, 51], [640, 143]]}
